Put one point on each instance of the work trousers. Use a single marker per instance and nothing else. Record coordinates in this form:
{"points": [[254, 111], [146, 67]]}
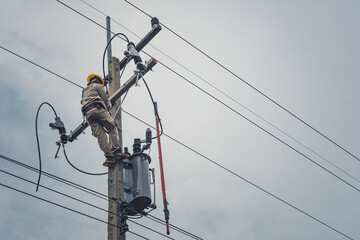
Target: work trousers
{"points": [[101, 123]]}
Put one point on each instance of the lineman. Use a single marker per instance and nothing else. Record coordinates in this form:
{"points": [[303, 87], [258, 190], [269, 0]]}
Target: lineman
{"points": [[96, 106]]}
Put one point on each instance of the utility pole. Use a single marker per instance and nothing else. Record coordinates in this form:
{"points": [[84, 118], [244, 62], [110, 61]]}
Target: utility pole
{"points": [[116, 226], [116, 222], [116, 90]]}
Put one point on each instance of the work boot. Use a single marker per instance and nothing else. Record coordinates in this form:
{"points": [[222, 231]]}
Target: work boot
{"points": [[119, 155], [109, 162]]}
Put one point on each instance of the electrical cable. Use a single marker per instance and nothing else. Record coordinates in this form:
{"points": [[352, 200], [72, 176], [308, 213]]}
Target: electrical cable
{"points": [[81, 201], [39, 152], [155, 107], [67, 182], [58, 1], [67, 208], [88, 173], [226, 95], [41, 67], [37, 139], [251, 86], [261, 128], [107, 45], [244, 179], [238, 113]]}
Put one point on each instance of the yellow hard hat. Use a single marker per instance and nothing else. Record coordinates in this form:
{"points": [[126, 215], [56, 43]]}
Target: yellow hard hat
{"points": [[95, 76]]}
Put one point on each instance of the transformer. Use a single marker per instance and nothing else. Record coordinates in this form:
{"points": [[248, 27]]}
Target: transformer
{"points": [[137, 191]]}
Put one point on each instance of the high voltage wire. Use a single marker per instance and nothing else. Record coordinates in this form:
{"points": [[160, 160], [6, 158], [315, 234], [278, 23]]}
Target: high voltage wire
{"points": [[41, 67], [237, 113], [231, 98], [81, 201], [247, 83], [233, 110], [275, 196], [88, 191], [67, 208]]}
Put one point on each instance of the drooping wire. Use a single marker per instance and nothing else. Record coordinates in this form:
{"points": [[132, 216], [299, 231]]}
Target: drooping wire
{"points": [[251, 86], [107, 45], [37, 139], [78, 169]]}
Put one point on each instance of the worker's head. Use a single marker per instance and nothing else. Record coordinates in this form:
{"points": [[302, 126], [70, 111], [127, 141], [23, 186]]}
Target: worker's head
{"points": [[94, 78]]}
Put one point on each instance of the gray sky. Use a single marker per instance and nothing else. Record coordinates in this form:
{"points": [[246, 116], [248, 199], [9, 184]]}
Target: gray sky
{"points": [[302, 54]]}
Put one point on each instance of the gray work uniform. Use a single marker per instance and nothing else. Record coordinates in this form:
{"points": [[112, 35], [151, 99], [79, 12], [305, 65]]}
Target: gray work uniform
{"points": [[95, 101]]}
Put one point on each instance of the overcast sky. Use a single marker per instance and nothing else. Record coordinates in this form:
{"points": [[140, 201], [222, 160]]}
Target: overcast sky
{"points": [[304, 55]]}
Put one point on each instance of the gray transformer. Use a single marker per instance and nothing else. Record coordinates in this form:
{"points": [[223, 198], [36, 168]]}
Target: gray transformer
{"points": [[137, 192]]}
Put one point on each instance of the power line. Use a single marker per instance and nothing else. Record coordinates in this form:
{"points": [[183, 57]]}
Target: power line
{"points": [[247, 83], [81, 201], [238, 113], [86, 190], [226, 95], [67, 208], [41, 67], [242, 178], [291, 205]]}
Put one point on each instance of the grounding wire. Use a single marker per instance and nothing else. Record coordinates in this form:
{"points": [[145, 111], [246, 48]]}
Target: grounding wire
{"points": [[228, 96], [244, 179], [81, 188], [251, 86], [37, 138], [67, 208]]}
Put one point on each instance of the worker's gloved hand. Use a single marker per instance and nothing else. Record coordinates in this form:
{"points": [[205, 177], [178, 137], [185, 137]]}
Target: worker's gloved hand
{"points": [[107, 94]]}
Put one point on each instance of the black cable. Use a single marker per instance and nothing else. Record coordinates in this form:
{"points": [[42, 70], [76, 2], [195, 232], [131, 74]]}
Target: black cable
{"points": [[81, 201], [251, 86], [155, 107], [67, 208], [244, 179], [242, 116], [59, 179], [228, 96], [37, 139], [180, 230], [107, 45], [261, 128], [86, 17], [41, 67], [67, 182], [88, 173]]}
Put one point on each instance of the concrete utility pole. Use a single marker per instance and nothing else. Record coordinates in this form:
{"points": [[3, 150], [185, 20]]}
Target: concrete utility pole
{"points": [[116, 90], [115, 174], [116, 224]]}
